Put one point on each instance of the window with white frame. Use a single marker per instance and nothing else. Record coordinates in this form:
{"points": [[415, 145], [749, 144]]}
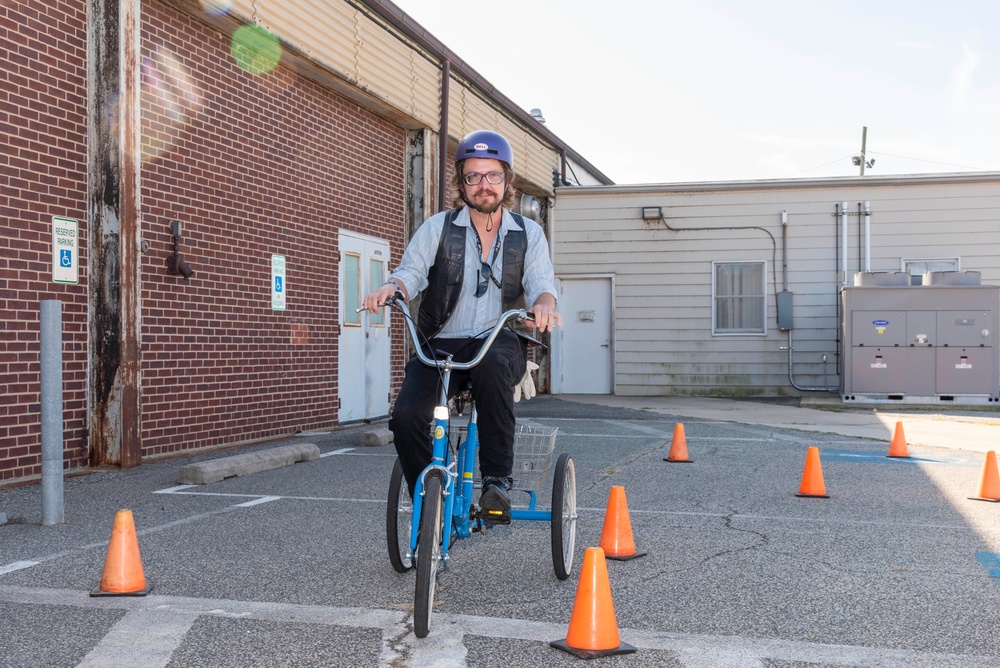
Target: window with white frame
{"points": [[739, 302], [917, 267]]}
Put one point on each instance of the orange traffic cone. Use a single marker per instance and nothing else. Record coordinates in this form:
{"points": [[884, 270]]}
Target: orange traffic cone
{"points": [[616, 537], [989, 484], [678, 447], [812, 476], [122, 567], [593, 629], [897, 447]]}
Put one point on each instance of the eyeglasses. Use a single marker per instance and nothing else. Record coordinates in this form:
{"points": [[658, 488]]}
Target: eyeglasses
{"points": [[475, 178], [485, 275]]}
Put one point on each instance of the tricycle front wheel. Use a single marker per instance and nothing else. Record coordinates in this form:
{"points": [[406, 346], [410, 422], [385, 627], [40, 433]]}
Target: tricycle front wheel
{"points": [[428, 553]]}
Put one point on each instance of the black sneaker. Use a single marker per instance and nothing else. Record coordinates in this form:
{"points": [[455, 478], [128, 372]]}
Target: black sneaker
{"points": [[494, 501]]}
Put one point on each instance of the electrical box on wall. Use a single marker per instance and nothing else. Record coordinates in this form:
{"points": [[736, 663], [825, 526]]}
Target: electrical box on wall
{"points": [[784, 307], [921, 344]]}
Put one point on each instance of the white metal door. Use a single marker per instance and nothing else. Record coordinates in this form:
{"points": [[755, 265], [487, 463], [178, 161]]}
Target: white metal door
{"points": [[363, 353], [586, 338]]}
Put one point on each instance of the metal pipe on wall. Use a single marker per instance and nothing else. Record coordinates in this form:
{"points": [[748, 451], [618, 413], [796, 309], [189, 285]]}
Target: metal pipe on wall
{"points": [[843, 242], [784, 250], [442, 156], [868, 237], [50, 339], [791, 377], [784, 283]]}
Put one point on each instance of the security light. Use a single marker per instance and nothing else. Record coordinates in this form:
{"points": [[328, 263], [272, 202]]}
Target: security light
{"points": [[652, 213]]}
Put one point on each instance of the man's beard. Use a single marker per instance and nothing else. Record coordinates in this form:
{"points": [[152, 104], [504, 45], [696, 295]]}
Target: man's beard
{"points": [[489, 205]]}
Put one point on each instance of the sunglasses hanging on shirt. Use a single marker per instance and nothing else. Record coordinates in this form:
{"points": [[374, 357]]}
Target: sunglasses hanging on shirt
{"points": [[485, 275], [486, 271]]}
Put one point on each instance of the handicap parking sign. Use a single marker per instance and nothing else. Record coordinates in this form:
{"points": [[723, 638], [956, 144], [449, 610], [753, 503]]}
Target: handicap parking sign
{"points": [[278, 282], [65, 260]]}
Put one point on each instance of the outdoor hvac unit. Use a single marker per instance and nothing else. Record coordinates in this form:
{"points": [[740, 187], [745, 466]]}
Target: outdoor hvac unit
{"points": [[932, 343]]}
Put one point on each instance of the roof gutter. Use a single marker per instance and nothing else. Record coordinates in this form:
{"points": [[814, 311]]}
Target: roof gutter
{"points": [[403, 22]]}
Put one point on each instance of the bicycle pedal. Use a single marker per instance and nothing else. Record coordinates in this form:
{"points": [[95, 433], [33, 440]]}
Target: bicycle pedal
{"points": [[494, 516]]}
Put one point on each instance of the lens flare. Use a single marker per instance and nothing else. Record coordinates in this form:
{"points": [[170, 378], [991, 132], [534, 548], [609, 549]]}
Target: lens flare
{"points": [[256, 49], [217, 7], [170, 99]]}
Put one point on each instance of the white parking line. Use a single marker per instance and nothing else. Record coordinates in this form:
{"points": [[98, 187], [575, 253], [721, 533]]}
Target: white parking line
{"points": [[173, 490], [144, 638], [257, 502], [336, 452], [16, 566], [171, 617]]}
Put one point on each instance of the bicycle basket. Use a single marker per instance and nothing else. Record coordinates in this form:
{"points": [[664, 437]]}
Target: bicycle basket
{"points": [[533, 447]]}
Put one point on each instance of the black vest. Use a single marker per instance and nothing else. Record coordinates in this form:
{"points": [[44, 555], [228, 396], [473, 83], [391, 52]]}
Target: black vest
{"points": [[445, 276]]}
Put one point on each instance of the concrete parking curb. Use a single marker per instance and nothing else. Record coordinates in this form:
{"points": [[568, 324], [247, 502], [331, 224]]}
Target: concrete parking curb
{"points": [[375, 437], [215, 470]]}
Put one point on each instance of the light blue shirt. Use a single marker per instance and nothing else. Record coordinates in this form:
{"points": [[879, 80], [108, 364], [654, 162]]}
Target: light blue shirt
{"points": [[476, 316]]}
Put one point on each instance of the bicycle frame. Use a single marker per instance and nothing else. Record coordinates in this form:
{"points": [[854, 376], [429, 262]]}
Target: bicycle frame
{"points": [[457, 465], [444, 488]]}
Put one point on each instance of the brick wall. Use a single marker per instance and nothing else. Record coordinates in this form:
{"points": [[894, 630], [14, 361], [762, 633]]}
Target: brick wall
{"points": [[42, 174], [252, 165]]}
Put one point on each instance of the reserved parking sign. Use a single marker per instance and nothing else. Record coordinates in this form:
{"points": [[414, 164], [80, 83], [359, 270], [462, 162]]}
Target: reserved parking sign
{"points": [[278, 282], [65, 250]]}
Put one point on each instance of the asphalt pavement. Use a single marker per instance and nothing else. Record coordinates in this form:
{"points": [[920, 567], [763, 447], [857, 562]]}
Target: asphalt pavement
{"points": [[287, 566]]}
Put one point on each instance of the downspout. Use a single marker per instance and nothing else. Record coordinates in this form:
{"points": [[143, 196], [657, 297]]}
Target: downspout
{"points": [[443, 136]]}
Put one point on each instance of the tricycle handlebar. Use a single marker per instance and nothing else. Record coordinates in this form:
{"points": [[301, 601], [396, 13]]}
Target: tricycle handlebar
{"points": [[518, 315]]}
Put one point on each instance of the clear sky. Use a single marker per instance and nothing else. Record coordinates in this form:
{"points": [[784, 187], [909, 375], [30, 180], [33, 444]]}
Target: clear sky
{"points": [[663, 91]]}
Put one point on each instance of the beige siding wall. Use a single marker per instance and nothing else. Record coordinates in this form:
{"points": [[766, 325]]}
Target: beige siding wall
{"points": [[402, 80], [663, 318]]}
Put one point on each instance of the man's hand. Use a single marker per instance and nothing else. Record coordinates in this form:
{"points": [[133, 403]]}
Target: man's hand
{"points": [[546, 317], [375, 299]]}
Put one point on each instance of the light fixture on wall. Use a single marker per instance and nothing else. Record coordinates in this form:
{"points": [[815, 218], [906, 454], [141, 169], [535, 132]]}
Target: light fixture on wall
{"points": [[652, 213], [175, 263], [529, 208]]}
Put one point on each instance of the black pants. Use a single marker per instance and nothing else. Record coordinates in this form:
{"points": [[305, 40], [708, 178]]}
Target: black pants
{"points": [[493, 388]]}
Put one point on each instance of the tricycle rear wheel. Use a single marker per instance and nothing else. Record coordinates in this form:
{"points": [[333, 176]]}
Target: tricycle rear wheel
{"points": [[399, 521], [563, 516]]}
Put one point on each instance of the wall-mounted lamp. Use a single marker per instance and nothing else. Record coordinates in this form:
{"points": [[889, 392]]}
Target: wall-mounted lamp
{"points": [[175, 263], [529, 207], [651, 213]]}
